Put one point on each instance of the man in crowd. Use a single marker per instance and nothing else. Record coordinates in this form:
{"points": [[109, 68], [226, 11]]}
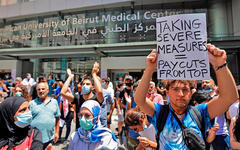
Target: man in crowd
{"points": [[180, 92], [222, 139], [9, 85], [209, 87], [51, 82], [153, 95], [121, 101], [28, 82], [57, 92], [46, 113], [87, 91], [33, 91], [119, 89], [107, 109]]}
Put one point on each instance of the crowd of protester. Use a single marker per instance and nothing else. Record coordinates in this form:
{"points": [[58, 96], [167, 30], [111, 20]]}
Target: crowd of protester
{"points": [[150, 114]]}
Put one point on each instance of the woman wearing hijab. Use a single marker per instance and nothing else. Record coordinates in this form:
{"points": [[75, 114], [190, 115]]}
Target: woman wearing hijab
{"points": [[90, 136], [16, 132]]}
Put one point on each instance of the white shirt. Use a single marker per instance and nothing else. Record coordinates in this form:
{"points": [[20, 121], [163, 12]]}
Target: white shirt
{"points": [[28, 83], [233, 109], [111, 91], [149, 133], [110, 85]]}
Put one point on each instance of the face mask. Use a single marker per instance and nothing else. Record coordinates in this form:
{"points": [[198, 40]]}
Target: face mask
{"points": [[145, 127], [103, 84], [18, 94], [29, 77], [86, 124], [129, 84], [24, 119], [85, 89], [207, 90]]}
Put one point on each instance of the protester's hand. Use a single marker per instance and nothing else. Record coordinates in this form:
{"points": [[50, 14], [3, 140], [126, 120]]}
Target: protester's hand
{"points": [[217, 57], [56, 136], [95, 68], [119, 113], [74, 119], [144, 141], [127, 97], [216, 127], [108, 118], [69, 72], [151, 60]]}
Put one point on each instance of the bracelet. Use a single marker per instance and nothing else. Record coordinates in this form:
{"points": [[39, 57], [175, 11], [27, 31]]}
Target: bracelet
{"points": [[220, 67]]}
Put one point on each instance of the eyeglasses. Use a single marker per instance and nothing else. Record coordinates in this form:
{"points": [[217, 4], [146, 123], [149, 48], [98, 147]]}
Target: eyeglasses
{"points": [[184, 90]]}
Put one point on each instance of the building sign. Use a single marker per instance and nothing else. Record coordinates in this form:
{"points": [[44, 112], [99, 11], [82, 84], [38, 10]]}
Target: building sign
{"points": [[181, 44], [99, 27]]}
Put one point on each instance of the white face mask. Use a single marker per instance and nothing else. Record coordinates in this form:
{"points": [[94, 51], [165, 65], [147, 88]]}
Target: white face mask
{"points": [[24, 119]]}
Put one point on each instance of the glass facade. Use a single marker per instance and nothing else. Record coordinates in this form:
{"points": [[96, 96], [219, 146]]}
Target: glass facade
{"points": [[58, 66]]}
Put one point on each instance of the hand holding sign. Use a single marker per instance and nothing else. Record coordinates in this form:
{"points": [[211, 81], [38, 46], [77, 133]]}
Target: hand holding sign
{"points": [[95, 68], [217, 57], [151, 60], [69, 72]]}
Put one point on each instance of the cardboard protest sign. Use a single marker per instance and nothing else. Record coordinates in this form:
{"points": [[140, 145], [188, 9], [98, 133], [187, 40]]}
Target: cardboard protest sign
{"points": [[103, 73], [181, 45]]}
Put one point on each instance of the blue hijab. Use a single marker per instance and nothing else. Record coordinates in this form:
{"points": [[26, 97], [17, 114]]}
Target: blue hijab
{"points": [[96, 133]]}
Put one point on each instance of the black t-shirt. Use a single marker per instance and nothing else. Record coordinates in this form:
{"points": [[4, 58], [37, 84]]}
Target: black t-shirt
{"points": [[78, 101], [129, 92]]}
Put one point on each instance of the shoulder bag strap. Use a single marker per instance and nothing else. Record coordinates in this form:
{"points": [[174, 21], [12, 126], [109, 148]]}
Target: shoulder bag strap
{"points": [[199, 120], [178, 120]]}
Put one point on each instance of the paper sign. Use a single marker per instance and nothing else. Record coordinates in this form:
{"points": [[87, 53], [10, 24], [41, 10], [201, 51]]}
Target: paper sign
{"points": [[13, 74], [103, 73], [181, 44]]}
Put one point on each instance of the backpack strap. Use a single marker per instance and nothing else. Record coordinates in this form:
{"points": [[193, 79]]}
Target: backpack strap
{"points": [[196, 116], [199, 120], [161, 120]]}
